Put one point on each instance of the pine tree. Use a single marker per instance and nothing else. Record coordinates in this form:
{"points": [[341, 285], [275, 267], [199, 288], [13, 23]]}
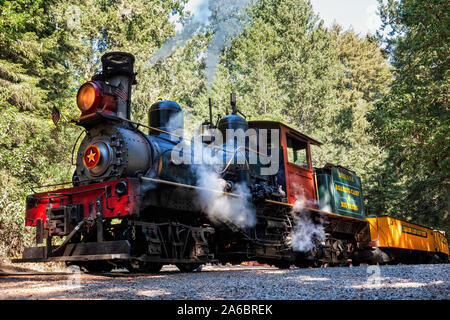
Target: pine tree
{"points": [[283, 65], [47, 50], [364, 77], [32, 80], [412, 121], [287, 67]]}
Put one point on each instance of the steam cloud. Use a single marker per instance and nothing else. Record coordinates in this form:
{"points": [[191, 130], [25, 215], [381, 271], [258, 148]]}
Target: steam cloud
{"points": [[236, 212], [224, 18], [207, 164], [306, 233]]}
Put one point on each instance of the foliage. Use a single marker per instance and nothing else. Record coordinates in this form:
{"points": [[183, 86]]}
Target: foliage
{"points": [[323, 82], [47, 49], [284, 67], [364, 78], [32, 80], [412, 120], [388, 123]]}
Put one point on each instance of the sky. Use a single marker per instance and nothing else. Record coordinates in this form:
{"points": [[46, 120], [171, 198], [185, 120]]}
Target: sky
{"points": [[358, 14], [361, 15]]}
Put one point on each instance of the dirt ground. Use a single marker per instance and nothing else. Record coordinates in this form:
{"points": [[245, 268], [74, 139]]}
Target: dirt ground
{"points": [[401, 282]]}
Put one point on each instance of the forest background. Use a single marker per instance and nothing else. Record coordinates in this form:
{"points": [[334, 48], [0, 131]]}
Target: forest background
{"points": [[379, 103]]}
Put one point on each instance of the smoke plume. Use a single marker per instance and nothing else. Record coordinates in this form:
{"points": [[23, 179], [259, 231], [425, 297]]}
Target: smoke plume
{"points": [[223, 18], [227, 24]]}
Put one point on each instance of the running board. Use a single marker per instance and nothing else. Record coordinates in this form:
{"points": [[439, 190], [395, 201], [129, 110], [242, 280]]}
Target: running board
{"points": [[106, 250]]}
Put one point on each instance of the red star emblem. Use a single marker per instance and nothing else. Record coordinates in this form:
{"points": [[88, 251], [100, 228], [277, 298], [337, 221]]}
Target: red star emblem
{"points": [[91, 156]]}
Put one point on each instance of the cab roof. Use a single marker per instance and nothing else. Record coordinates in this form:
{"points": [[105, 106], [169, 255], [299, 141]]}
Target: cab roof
{"points": [[275, 124]]}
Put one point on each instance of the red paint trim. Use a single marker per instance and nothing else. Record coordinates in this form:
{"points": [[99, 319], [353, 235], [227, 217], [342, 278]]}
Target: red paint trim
{"points": [[302, 181], [122, 206]]}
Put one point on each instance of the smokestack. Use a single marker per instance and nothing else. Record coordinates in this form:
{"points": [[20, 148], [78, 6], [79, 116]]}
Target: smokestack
{"points": [[233, 103], [118, 71], [210, 111]]}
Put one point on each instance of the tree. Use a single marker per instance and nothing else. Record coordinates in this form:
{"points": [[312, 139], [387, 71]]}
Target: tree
{"points": [[32, 80], [282, 66], [47, 50], [364, 77], [287, 67], [412, 120]]}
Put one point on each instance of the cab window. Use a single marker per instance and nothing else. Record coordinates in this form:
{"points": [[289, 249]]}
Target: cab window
{"points": [[297, 152]]}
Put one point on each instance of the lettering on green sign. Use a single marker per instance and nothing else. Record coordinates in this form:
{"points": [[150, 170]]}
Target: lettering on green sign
{"points": [[348, 197]]}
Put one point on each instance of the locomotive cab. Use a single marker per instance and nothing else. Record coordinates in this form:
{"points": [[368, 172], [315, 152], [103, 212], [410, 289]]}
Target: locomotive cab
{"points": [[295, 173]]}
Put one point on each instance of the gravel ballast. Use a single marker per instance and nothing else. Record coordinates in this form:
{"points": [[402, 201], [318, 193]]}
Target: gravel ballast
{"points": [[400, 282]]}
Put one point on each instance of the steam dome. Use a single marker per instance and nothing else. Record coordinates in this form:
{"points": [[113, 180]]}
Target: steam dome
{"points": [[165, 115]]}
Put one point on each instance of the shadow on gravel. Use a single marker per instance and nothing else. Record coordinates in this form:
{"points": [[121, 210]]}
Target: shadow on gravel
{"points": [[252, 283]]}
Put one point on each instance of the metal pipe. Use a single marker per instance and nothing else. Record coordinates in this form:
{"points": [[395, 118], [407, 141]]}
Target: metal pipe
{"points": [[69, 182], [233, 194], [70, 236], [233, 103], [176, 184], [56, 195], [312, 209]]}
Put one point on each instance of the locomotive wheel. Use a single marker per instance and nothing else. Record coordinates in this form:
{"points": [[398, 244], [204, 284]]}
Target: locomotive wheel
{"points": [[144, 267], [97, 266], [153, 267], [283, 265], [189, 267]]}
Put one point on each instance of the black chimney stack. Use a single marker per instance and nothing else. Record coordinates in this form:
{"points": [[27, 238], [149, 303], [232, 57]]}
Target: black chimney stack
{"points": [[233, 103], [210, 111], [117, 67]]}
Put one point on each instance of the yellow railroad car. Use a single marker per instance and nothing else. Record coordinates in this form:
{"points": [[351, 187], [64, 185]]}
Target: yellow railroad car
{"points": [[441, 242], [403, 241]]}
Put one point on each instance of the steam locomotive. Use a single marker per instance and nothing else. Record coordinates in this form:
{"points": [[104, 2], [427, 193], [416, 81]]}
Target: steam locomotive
{"points": [[142, 200]]}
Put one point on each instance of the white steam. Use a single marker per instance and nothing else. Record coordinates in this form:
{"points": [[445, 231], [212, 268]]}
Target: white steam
{"points": [[305, 233], [227, 24], [179, 40], [207, 162], [224, 18], [234, 211], [199, 9]]}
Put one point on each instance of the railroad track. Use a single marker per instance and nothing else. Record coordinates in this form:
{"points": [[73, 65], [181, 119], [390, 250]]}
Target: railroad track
{"points": [[28, 274], [124, 274], [104, 274]]}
